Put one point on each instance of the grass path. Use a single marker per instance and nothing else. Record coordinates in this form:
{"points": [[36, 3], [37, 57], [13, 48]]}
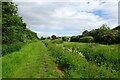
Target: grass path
{"points": [[32, 61]]}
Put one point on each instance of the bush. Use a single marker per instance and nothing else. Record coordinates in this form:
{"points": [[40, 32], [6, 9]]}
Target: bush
{"points": [[76, 66], [86, 39], [8, 48], [74, 39], [53, 37], [98, 54], [58, 41], [65, 38]]}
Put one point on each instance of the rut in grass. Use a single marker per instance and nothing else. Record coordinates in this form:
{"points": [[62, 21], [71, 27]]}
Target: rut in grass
{"points": [[60, 71]]}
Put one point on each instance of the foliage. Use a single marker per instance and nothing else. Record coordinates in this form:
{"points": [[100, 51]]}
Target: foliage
{"points": [[86, 39], [110, 37], [76, 66], [8, 48], [57, 41], [14, 30], [64, 38], [53, 37], [85, 33], [103, 35], [48, 37], [106, 55], [74, 39], [42, 38], [40, 62], [13, 27], [118, 37], [98, 33]]}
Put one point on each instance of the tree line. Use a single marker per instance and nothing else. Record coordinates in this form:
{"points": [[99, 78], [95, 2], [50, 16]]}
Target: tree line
{"points": [[102, 35], [14, 31]]}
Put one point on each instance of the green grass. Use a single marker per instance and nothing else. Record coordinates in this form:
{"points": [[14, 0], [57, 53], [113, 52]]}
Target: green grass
{"points": [[40, 59], [107, 55], [76, 66], [0, 61], [9, 48], [32, 61]]}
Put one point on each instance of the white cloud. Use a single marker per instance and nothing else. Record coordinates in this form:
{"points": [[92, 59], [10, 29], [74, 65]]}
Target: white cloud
{"points": [[45, 34], [68, 15]]}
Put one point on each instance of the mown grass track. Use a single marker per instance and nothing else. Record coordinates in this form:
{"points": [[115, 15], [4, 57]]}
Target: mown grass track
{"points": [[32, 61]]}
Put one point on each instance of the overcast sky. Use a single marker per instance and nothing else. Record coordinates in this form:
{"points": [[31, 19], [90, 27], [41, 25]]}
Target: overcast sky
{"points": [[67, 17]]}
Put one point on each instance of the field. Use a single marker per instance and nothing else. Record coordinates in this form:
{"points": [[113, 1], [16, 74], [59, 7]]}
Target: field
{"points": [[50, 41], [47, 59]]}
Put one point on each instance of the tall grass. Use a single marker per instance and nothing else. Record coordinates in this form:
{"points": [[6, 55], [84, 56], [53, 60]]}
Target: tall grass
{"points": [[76, 66], [107, 55]]}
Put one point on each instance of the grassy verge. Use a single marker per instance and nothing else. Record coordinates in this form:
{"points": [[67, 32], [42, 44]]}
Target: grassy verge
{"points": [[107, 55], [76, 66]]}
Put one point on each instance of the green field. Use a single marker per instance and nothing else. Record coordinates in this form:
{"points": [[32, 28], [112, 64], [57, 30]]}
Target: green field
{"points": [[44, 59], [31, 50]]}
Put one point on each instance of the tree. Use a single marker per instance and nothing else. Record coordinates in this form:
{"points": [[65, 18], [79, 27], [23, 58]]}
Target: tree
{"points": [[74, 39], [85, 33], [48, 37], [99, 33], [118, 37], [110, 37], [64, 38], [13, 27], [53, 37], [14, 31], [42, 38]]}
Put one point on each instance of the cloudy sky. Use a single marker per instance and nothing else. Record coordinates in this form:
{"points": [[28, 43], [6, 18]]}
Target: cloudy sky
{"points": [[67, 17]]}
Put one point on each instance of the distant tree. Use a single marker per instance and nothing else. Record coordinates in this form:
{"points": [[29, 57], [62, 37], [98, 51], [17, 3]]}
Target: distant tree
{"points": [[42, 38], [110, 37], [64, 38], [85, 33], [74, 39], [99, 33], [102, 35], [48, 37], [118, 37], [53, 37]]}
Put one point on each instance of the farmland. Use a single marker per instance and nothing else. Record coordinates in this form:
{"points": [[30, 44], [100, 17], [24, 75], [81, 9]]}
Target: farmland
{"points": [[34, 51], [45, 59]]}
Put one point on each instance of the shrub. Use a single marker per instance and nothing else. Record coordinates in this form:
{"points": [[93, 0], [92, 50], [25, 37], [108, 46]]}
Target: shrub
{"points": [[74, 39], [76, 66], [53, 37], [8, 48], [65, 38], [98, 54], [86, 39], [58, 41]]}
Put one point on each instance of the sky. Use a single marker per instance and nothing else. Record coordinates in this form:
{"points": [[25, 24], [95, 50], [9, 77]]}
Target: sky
{"points": [[67, 17]]}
